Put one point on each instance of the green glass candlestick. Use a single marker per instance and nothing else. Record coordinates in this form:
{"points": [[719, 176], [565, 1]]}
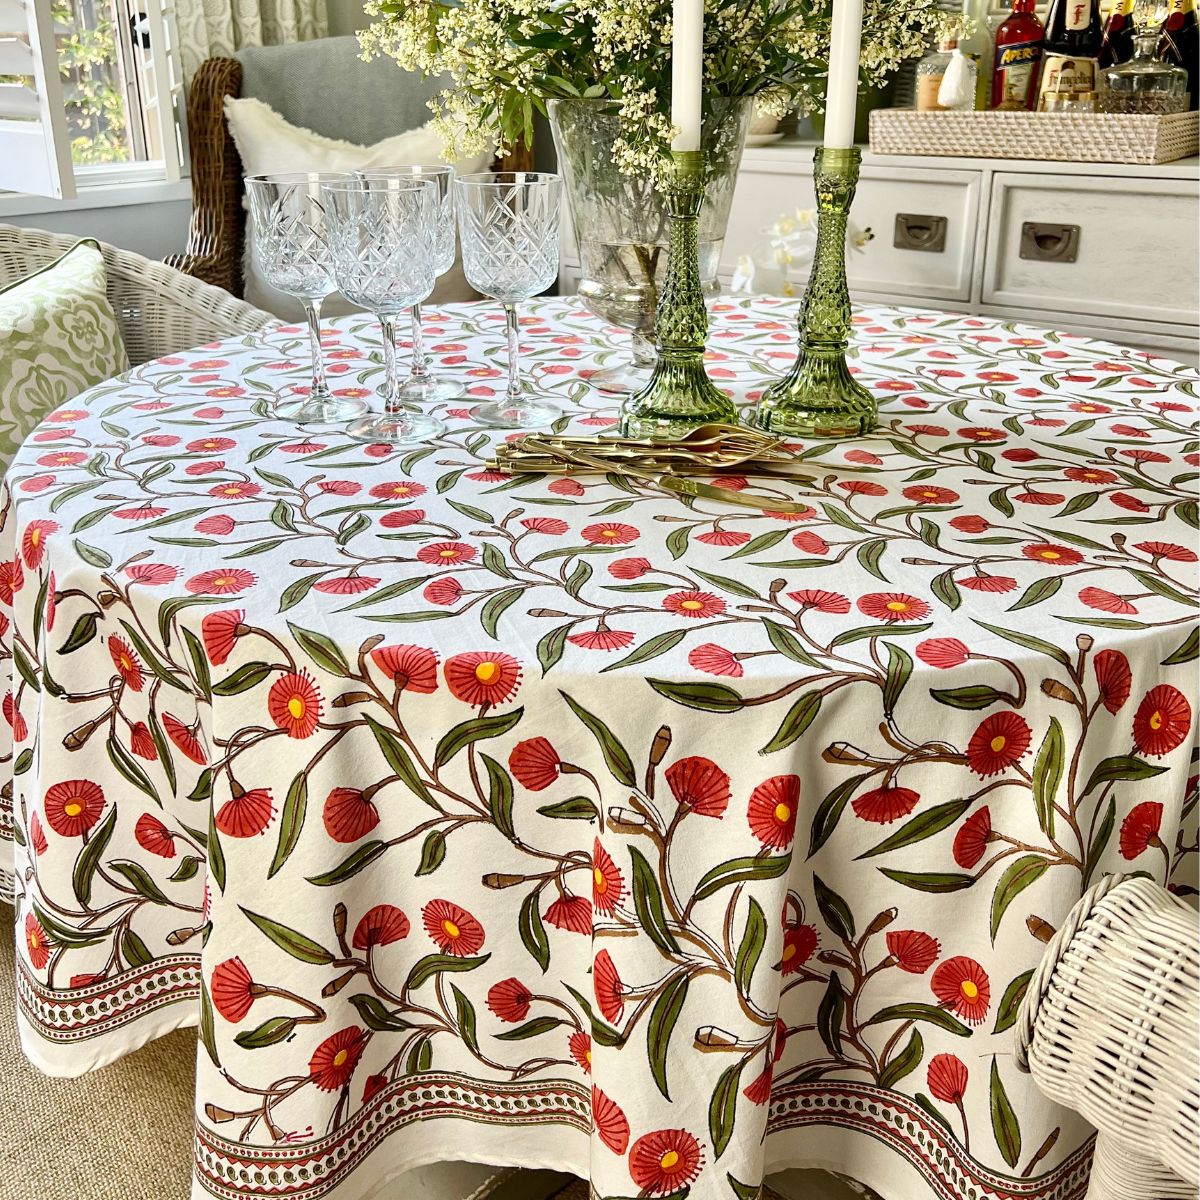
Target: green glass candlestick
{"points": [[819, 397], [680, 394]]}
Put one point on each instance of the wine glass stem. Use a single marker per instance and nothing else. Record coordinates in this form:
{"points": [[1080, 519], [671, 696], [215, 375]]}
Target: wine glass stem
{"points": [[392, 405], [514, 366], [312, 310], [418, 368]]}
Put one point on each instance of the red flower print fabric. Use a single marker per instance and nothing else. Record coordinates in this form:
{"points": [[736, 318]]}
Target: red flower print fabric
{"points": [[73, 808], [948, 1078], [700, 785], [652, 838]]}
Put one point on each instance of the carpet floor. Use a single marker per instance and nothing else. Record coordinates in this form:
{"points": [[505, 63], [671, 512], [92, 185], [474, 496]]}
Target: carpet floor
{"points": [[85, 1139]]}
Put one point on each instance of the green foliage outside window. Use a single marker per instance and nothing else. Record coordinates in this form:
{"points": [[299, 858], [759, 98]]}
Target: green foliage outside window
{"points": [[88, 64]]}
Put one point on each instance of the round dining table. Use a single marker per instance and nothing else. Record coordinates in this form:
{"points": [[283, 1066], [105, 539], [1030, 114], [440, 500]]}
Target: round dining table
{"points": [[559, 822]]}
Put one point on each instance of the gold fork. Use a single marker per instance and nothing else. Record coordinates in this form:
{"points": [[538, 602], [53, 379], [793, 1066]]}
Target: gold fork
{"points": [[714, 435]]}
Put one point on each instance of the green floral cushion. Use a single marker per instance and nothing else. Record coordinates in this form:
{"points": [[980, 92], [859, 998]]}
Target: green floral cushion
{"points": [[58, 336]]}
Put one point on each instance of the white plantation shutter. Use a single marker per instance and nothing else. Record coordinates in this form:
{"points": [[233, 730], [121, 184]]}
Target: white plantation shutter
{"points": [[159, 83], [35, 149]]}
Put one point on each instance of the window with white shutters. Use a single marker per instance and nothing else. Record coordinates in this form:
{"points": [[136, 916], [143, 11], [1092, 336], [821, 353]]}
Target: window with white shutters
{"points": [[90, 91], [35, 152]]}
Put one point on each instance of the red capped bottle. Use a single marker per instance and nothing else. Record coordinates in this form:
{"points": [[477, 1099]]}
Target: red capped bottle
{"points": [[1018, 54], [1180, 42], [1118, 35]]}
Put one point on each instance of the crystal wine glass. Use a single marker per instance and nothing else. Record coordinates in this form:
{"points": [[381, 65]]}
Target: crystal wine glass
{"points": [[422, 386], [508, 225], [381, 235], [291, 246]]}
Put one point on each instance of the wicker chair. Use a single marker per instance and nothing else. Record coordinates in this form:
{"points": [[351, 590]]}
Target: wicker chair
{"points": [[380, 101], [1109, 1028], [160, 310]]}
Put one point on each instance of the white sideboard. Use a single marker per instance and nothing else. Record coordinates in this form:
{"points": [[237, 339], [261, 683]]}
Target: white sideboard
{"points": [[1108, 250]]}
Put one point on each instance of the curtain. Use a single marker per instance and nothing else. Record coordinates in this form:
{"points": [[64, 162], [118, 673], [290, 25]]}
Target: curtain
{"points": [[213, 28]]}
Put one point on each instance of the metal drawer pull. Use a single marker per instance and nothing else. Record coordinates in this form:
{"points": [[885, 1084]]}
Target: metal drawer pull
{"points": [[1043, 242], [917, 231]]}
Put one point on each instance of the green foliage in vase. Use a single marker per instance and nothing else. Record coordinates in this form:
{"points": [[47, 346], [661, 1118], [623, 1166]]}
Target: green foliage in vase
{"points": [[507, 58]]}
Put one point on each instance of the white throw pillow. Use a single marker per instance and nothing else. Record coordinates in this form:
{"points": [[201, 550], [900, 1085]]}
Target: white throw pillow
{"points": [[269, 144]]}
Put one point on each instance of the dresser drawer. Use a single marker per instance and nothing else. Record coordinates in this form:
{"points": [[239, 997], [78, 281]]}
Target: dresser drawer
{"points": [[924, 223], [1106, 247]]}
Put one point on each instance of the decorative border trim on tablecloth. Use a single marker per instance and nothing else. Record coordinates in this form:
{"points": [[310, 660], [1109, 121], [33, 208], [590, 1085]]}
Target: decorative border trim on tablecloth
{"points": [[309, 1170], [63, 1015], [903, 1126], [306, 1170]]}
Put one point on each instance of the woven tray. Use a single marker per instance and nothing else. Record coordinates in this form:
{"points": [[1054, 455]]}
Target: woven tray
{"points": [[1066, 137]]}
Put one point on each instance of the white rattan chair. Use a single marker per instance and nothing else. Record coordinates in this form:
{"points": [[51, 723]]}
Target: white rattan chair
{"points": [[1109, 1028], [160, 310]]}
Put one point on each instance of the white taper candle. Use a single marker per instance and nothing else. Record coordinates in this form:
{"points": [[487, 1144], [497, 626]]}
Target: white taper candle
{"points": [[841, 95], [687, 71]]}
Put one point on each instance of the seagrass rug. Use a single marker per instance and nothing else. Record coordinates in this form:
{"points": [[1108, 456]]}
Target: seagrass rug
{"points": [[120, 1133]]}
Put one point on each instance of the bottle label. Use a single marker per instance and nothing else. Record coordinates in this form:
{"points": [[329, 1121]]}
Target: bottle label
{"points": [[1018, 54], [1015, 65], [1177, 12], [928, 87], [1079, 14], [1067, 76]]}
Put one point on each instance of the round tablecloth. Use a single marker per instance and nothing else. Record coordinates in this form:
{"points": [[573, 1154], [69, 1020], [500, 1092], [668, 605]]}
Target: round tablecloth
{"points": [[558, 822]]}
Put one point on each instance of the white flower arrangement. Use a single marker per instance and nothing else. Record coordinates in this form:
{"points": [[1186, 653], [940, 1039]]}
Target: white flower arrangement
{"points": [[507, 58]]}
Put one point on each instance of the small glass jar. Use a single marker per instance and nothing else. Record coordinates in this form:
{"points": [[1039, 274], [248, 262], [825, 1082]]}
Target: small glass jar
{"points": [[1069, 102], [1144, 84]]}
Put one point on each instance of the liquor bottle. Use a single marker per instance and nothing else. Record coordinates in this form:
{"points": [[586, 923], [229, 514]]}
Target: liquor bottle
{"points": [[978, 46], [1018, 53], [1180, 42], [1071, 47], [1117, 46]]}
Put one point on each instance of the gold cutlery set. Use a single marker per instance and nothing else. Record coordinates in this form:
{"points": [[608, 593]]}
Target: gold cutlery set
{"points": [[711, 449]]}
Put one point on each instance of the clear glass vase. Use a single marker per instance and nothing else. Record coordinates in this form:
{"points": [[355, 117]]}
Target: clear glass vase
{"points": [[621, 222]]}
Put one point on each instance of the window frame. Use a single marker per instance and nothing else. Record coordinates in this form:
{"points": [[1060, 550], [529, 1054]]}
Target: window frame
{"points": [[163, 119]]}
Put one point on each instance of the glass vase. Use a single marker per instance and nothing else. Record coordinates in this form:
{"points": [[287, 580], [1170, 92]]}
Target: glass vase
{"points": [[622, 222]]}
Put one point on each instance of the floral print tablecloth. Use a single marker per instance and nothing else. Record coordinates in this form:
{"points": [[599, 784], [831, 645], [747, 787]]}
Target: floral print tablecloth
{"points": [[557, 822]]}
